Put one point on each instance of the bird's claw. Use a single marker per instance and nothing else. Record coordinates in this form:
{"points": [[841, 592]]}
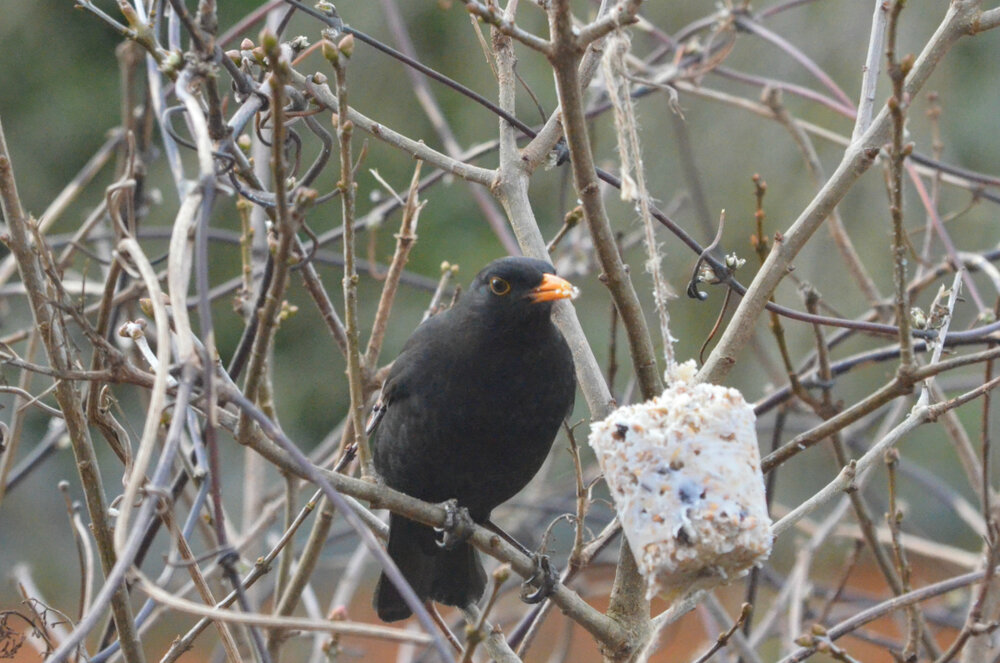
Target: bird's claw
{"points": [[458, 525], [543, 576]]}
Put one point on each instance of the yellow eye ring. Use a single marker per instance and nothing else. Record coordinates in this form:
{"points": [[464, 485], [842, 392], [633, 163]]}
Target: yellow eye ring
{"points": [[498, 286]]}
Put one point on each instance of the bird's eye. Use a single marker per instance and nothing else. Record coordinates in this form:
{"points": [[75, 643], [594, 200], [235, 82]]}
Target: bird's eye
{"points": [[498, 286]]}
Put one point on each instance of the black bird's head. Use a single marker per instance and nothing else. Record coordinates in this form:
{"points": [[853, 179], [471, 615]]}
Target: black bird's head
{"points": [[517, 288]]}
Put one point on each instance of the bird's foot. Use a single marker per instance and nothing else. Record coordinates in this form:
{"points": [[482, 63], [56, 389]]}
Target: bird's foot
{"points": [[458, 525], [542, 581]]}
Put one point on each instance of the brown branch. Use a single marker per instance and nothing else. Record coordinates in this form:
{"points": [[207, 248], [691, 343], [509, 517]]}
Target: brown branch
{"points": [[404, 242], [960, 20], [606, 630], [897, 105], [337, 55], [628, 606], [884, 608], [58, 350]]}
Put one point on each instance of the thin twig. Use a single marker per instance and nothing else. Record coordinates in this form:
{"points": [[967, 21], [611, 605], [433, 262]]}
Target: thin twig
{"points": [[58, 352], [404, 242], [857, 158], [337, 55]]}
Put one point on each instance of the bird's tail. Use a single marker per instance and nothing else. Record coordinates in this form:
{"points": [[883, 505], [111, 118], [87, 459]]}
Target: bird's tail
{"points": [[453, 577]]}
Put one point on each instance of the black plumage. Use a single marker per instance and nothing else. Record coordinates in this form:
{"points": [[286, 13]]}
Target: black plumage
{"points": [[469, 412]]}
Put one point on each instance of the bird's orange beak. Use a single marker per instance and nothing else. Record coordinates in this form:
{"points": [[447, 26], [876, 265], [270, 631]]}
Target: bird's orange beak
{"points": [[553, 287]]}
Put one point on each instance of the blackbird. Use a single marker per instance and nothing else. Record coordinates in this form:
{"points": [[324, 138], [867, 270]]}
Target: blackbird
{"points": [[469, 413]]}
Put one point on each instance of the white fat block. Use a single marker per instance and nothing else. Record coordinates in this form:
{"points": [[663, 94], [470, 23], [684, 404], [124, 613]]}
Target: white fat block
{"points": [[684, 472]]}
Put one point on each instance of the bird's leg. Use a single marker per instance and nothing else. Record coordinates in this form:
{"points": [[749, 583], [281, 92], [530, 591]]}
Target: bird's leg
{"points": [[458, 525], [543, 575]]}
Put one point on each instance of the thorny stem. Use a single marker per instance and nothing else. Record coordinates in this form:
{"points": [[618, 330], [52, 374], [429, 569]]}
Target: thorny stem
{"points": [[404, 242], [894, 519], [582, 500], [355, 377], [897, 106]]}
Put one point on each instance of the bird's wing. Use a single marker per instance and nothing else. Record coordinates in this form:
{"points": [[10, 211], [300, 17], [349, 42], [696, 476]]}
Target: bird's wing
{"points": [[406, 368]]}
